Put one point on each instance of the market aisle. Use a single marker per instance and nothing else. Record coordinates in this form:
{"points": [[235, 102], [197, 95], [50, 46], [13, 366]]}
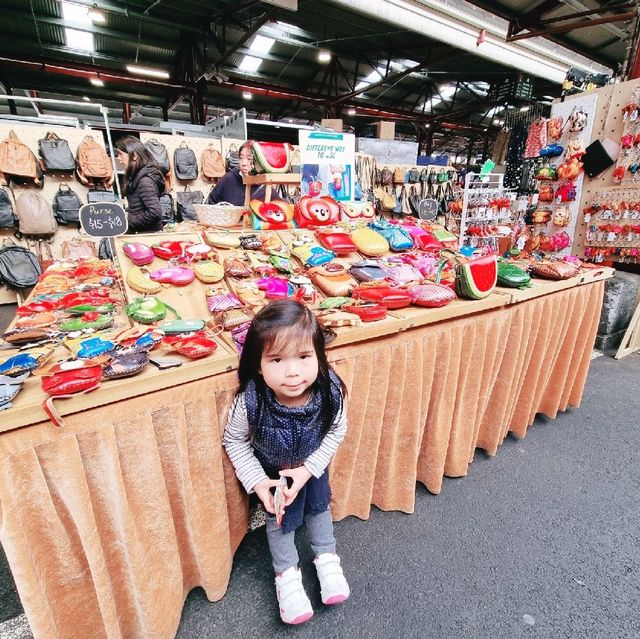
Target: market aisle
{"points": [[545, 533]]}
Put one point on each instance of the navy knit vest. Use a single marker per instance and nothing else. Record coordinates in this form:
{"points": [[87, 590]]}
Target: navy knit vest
{"points": [[284, 436]]}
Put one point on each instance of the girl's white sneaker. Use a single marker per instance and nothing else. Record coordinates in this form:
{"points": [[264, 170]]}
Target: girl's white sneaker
{"points": [[294, 604], [334, 588]]}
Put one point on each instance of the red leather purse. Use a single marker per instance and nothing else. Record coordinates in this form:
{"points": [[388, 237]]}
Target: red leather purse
{"points": [[168, 249], [62, 384], [387, 296], [431, 295], [367, 312], [337, 241]]}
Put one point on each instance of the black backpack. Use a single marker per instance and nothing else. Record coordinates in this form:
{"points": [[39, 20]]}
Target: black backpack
{"points": [[159, 153], [19, 267], [167, 208], [56, 154], [66, 205], [187, 200], [185, 164], [7, 214]]}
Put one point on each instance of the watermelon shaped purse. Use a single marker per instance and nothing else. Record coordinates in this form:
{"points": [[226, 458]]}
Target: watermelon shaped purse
{"points": [[317, 211], [475, 278], [274, 215], [271, 157]]}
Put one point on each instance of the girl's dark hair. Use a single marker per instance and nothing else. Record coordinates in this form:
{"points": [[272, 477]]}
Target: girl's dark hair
{"points": [[266, 330], [138, 153], [246, 145]]}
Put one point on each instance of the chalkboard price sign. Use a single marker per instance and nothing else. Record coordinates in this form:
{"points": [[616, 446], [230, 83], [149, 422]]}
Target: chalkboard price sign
{"points": [[103, 219], [428, 209]]}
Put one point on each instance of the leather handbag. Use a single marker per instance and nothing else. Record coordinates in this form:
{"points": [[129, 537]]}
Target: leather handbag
{"points": [[185, 164], [79, 249], [159, 154], [431, 295], [367, 271], [339, 242], [511, 276], [317, 211], [332, 279], [187, 200], [212, 164], [389, 297], [66, 205], [126, 364], [35, 215], [272, 157], [352, 211], [56, 154], [554, 269], [369, 242], [7, 214]]}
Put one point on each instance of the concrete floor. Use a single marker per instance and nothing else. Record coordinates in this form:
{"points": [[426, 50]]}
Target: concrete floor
{"points": [[540, 541]]}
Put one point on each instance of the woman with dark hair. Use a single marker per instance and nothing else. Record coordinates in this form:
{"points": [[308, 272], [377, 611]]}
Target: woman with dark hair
{"points": [[144, 184], [230, 187]]}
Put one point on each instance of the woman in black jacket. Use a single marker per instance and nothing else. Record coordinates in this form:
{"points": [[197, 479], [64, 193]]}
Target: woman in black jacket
{"points": [[143, 186]]}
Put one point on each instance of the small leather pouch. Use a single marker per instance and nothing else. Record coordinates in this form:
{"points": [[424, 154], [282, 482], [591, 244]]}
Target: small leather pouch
{"points": [[387, 296], [396, 236], [555, 270], [367, 271], [369, 242], [335, 318], [234, 266], [232, 318], [431, 295], [176, 275], [9, 389], [222, 239], [126, 365], [310, 253], [250, 242], [28, 335], [177, 327], [337, 241], [195, 346], [208, 271], [218, 302], [168, 250], [332, 279], [16, 365], [139, 254], [368, 312], [511, 276]]}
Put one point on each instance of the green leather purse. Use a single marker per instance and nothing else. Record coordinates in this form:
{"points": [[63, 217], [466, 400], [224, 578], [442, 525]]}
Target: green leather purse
{"points": [[511, 276]]}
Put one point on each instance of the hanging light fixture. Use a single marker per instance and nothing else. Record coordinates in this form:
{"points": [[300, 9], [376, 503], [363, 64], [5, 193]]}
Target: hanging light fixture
{"points": [[324, 55]]}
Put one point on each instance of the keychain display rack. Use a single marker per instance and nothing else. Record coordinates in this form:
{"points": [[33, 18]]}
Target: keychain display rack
{"points": [[486, 204], [627, 170], [612, 221]]}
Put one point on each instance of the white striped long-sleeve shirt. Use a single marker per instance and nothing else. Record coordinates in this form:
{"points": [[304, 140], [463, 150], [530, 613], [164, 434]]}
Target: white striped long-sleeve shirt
{"points": [[249, 470]]}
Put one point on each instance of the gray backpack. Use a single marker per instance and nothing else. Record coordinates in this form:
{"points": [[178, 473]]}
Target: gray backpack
{"points": [[35, 215], [19, 267]]}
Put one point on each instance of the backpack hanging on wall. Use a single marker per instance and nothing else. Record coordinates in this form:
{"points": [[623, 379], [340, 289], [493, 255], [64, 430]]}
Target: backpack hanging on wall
{"points": [[160, 154], [19, 267], [100, 195], [185, 164], [35, 215], [232, 159], [7, 214], [66, 205], [212, 164], [93, 165], [56, 154], [18, 161]]}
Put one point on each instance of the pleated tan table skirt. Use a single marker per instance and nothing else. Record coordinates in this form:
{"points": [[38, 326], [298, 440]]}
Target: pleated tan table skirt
{"points": [[110, 522]]}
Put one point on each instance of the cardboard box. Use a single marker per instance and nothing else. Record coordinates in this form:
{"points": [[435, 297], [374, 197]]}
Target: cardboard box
{"points": [[385, 130], [335, 125]]}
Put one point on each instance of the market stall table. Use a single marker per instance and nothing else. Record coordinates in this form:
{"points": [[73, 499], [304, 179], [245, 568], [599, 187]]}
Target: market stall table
{"points": [[108, 523]]}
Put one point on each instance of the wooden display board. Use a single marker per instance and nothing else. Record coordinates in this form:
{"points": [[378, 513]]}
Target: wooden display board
{"points": [[197, 145], [608, 123], [29, 134]]}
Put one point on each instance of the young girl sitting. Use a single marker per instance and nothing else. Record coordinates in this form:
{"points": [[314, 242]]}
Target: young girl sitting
{"points": [[287, 420]]}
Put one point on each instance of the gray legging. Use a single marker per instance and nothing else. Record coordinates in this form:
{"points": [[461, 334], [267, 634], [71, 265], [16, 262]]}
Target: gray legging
{"points": [[283, 547]]}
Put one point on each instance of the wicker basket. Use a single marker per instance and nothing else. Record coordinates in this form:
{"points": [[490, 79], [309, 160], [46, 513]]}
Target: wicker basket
{"points": [[222, 214]]}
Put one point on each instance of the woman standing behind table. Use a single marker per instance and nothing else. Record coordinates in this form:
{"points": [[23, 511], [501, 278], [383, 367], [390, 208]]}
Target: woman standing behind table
{"points": [[144, 184], [230, 188]]}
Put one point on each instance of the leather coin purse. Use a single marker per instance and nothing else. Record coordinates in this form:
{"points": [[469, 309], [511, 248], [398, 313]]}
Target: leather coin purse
{"points": [[194, 346], [387, 296], [139, 254], [83, 323], [176, 275], [555, 269], [396, 236], [431, 295], [511, 276], [368, 312], [147, 310], [217, 302], [369, 242], [176, 327], [335, 318], [168, 250], [140, 282], [208, 271], [332, 279], [250, 242], [18, 365], [310, 253], [22, 336], [93, 347], [367, 271], [9, 389], [337, 241], [126, 365], [222, 239], [235, 266]]}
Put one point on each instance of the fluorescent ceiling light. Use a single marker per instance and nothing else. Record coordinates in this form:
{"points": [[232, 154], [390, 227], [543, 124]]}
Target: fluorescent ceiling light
{"points": [[351, 112], [250, 64], [76, 39], [86, 99], [261, 44], [459, 23], [96, 15], [153, 73], [247, 95], [324, 56], [97, 82]]}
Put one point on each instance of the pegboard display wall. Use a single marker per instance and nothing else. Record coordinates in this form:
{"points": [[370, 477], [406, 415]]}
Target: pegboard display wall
{"points": [[29, 134], [608, 124], [561, 210]]}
